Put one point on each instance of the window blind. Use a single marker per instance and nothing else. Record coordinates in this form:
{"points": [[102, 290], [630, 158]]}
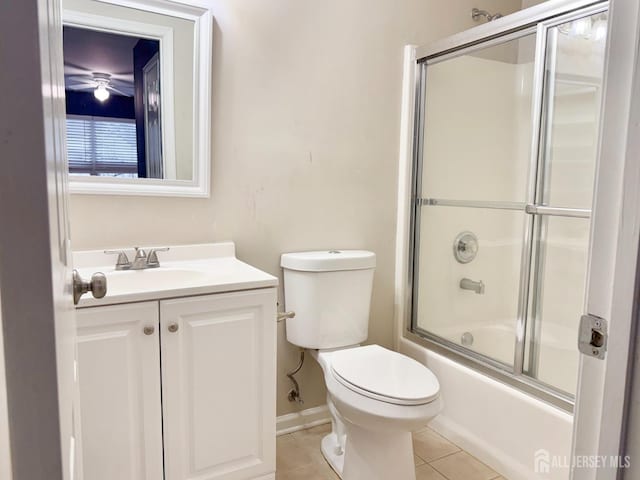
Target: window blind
{"points": [[102, 146]]}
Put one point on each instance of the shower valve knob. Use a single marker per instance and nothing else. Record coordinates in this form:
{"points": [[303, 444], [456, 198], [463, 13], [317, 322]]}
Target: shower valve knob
{"points": [[465, 247]]}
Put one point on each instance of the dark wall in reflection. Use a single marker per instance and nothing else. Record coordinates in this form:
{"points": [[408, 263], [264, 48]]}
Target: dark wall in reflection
{"points": [[85, 103]]}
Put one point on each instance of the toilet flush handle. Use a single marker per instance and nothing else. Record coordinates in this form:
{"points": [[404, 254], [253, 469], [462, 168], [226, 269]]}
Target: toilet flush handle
{"points": [[284, 315]]}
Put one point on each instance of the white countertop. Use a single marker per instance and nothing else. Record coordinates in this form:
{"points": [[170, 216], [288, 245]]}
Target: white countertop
{"points": [[185, 270]]}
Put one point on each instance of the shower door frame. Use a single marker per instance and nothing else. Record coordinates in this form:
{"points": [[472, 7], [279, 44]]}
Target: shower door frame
{"points": [[536, 20]]}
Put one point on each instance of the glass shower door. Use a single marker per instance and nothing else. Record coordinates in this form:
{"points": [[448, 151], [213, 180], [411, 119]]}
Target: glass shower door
{"points": [[572, 92], [505, 163], [474, 186]]}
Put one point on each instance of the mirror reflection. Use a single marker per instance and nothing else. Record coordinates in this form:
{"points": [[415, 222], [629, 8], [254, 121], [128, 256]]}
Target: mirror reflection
{"points": [[113, 101], [137, 83]]}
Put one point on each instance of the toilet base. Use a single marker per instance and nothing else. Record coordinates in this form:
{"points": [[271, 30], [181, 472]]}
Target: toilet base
{"points": [[375, 455], [333, 452]]}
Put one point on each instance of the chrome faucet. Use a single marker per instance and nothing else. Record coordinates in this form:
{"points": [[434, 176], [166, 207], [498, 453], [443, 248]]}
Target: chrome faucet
{"points": [[141, 261], [468, 284]]}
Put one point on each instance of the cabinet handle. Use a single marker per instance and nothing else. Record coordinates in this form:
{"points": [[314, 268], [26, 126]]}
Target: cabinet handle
{"points": [[173, 327], [148, 330]]}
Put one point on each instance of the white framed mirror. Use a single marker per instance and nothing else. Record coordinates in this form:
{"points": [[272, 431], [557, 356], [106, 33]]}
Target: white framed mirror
{"points": [[138, 97]]}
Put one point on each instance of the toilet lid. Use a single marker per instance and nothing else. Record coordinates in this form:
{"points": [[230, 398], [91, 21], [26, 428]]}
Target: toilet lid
{"points": [[384, 375]]}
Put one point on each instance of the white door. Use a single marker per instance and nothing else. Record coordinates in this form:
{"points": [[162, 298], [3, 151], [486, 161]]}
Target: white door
{"points": [[120, 403], [600, 401], [218, 385], [35, 263]]}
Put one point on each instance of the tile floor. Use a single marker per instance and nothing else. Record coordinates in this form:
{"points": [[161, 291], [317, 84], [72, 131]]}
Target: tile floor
{"points": [[436, 458]]}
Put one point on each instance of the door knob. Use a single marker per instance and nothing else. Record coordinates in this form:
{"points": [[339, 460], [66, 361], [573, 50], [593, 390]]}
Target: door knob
{"points": [[97, 286], [148, 330], [173, 327]]}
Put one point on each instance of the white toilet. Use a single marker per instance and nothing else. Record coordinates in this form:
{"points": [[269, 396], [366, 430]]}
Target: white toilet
{"points": [[376, 397]]}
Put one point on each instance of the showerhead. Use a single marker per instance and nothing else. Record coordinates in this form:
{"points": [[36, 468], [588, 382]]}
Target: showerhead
{"points": [[477, 14]]}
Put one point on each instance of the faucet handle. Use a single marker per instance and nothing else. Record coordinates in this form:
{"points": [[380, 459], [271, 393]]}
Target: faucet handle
{"points": [[123, 261], [140, 253], [152, 257]]}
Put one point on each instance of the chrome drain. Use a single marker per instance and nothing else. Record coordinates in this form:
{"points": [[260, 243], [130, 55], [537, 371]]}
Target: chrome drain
{"points": [[467, 339]]}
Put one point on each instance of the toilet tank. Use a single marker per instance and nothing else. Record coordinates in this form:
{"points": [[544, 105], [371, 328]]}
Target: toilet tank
{"points": [[330, 293]]}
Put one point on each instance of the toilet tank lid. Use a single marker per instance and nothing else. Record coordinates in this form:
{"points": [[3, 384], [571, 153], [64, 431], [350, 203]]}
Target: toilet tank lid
{"points": [[328, 260]]}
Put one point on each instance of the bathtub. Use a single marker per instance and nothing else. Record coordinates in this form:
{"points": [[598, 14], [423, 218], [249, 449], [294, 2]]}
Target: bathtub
{"points": [[495, 422], [496, 341], [557, 347]]}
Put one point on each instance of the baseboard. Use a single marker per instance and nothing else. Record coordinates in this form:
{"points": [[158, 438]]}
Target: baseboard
{"points": [[311, 417], [474, 445], [269, 476]]}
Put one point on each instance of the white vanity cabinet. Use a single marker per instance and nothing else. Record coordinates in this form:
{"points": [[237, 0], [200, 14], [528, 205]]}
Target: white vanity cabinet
{"points": [[180, 388], [218, 385], [119, 379]]}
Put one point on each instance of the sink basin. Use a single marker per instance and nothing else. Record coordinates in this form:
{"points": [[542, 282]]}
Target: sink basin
{"points": [[185, 270], [162, 278]]}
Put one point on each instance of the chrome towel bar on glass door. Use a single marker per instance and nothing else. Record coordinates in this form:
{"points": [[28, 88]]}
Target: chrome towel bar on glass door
{"points": [[472, 204], [528, 208]]}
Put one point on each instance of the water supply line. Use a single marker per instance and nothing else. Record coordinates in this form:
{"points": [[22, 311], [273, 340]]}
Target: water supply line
{"points": [[294, 393]]}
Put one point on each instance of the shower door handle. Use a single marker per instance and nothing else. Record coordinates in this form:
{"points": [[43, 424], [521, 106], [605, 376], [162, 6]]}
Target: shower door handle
{"points": [[557, 211]]}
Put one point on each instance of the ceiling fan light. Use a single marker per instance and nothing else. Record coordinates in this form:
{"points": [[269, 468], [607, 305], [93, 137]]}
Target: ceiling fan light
{"points": [[600, 30], [101, 93], [581, 27]]}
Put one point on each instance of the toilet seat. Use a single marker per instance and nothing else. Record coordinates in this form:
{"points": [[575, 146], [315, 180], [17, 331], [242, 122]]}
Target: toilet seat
{"points": [[384, 375]]}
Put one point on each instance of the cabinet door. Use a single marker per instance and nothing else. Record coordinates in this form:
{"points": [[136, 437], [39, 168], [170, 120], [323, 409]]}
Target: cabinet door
{"points": [[120, 404], [218, 385]]}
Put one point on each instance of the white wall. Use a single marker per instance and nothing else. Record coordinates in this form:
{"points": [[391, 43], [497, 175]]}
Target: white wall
{"points": [[531, 3], [306, 118]]}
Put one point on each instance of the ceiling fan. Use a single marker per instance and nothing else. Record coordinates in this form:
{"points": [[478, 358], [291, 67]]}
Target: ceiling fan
{"points": [[102, 85]]}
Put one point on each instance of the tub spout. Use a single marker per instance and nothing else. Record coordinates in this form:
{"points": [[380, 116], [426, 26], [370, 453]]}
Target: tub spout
{"points": [[468, 284]]}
